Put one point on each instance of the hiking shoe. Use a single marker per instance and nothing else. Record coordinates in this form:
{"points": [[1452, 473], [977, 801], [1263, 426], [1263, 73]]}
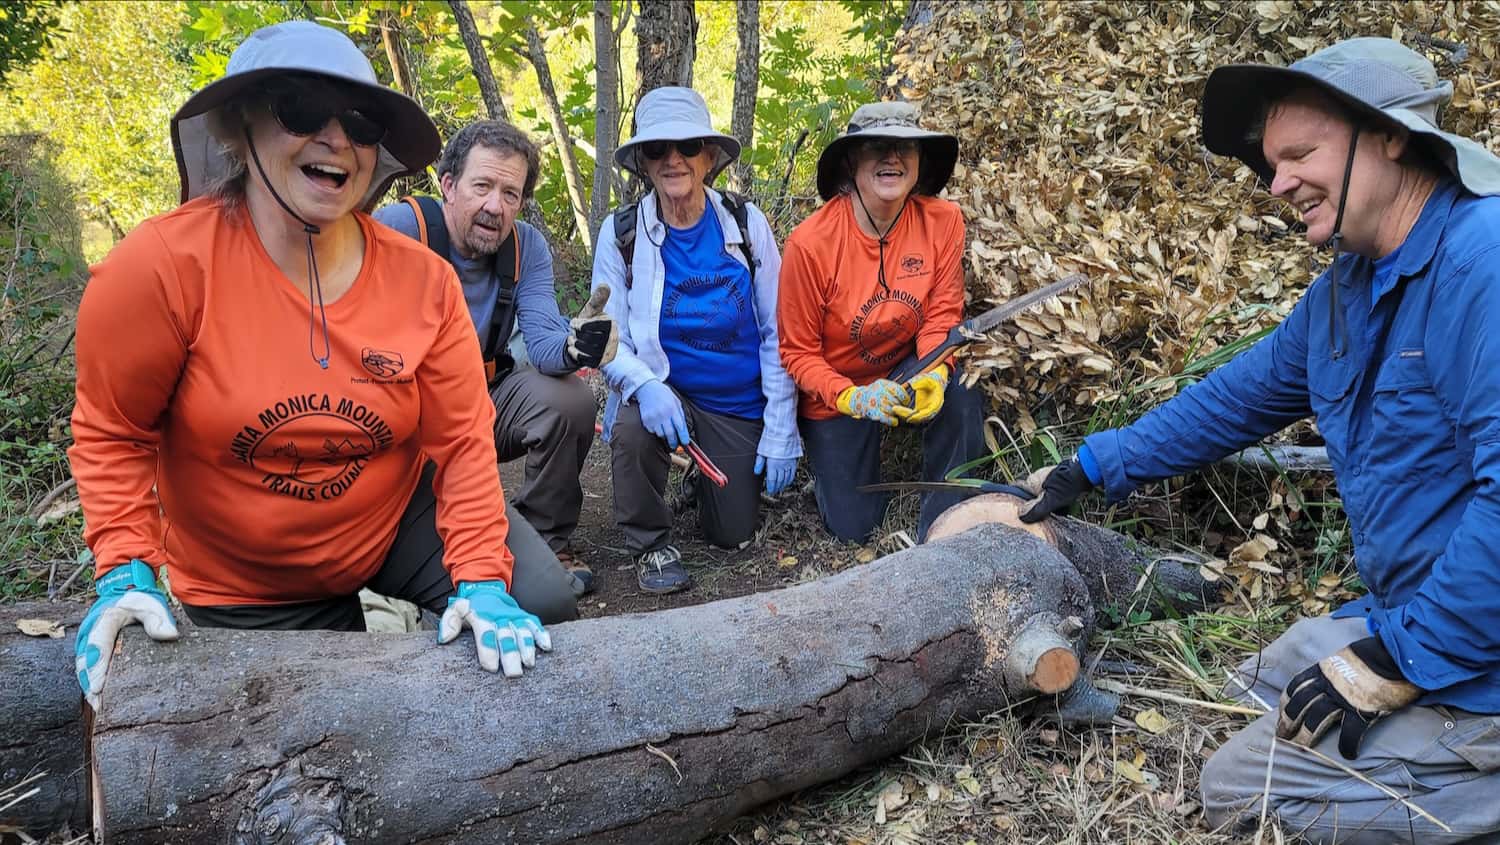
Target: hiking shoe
{"points": [[661, 571], [583, 576]]}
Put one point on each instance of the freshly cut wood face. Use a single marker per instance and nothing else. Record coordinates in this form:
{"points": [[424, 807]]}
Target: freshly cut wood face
{"points": [[984, 509]]}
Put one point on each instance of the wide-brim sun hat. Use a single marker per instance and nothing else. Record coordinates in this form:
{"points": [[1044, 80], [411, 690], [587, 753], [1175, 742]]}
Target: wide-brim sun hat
{"points": [[296, 47], [671, 113], [1375, 78], [889, 120]]}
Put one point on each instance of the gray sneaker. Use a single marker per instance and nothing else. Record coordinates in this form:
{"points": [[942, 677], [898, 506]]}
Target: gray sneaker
{"points": [[661, 571]]}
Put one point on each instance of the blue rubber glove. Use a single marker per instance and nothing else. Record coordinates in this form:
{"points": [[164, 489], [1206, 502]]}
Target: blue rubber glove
{"points": [[662, 414], [505, 636], [778, 471], [127, 594]]}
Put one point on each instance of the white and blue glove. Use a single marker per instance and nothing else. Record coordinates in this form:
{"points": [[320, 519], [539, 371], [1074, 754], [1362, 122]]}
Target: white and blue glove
{"points": [[779, 472], [662, 414], [127, 594], [504, 635]]}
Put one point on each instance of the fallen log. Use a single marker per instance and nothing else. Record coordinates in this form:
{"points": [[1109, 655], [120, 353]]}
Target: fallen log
{"points": [[657, 727], [41, 731], [1121, 573]]}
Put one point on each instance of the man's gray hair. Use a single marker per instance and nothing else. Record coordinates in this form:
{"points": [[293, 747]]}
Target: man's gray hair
{"points": [[498, 136]]}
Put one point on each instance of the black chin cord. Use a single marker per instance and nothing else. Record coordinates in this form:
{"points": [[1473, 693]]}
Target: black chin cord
{"points": [[315, 284], [1336, 340], [894, 221]]}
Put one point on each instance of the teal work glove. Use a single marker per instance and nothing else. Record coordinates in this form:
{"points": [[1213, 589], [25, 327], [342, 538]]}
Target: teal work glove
{"points": [[778, 471], [504, 635], [875, 401], [662, 414], [127, 594]]}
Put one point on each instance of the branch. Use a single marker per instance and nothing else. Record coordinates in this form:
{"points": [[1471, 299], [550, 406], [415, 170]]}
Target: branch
{"points": [[479, 60], [537, 53]]}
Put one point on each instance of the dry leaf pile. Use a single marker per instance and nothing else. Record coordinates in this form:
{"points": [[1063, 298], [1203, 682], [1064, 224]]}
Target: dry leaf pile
{"points": [[1081, 151]]}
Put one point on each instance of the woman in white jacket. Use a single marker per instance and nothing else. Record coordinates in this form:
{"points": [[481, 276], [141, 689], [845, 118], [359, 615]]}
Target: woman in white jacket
{"points": [[698, 359]]}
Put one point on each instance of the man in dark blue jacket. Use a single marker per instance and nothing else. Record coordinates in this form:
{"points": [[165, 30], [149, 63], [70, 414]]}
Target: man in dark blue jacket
{"points": [[1395, 351]]}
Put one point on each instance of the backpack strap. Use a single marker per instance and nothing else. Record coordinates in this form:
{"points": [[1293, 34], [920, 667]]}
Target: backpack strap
{"points": [[736, 205], [625, 238], [497, 361], [432, 228]]}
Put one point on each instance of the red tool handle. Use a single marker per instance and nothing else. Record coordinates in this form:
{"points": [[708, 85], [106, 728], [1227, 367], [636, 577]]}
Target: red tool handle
{"points": [[706, 466]]}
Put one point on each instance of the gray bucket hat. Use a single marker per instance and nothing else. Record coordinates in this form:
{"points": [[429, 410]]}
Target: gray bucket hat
{"points": [[411, 141], [671, 113], [889, 120], [1373, 77]]}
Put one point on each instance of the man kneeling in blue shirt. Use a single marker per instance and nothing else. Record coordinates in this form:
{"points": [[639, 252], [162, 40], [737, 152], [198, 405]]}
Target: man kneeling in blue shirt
{"points": [[1395, 351]]}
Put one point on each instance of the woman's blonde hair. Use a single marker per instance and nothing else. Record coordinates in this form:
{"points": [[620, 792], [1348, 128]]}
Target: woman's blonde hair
{"points": [[227, 125]]}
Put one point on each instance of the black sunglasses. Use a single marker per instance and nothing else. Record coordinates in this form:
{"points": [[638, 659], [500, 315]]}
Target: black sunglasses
{"points": [[659, 149], [304, 110], [882, 147]]}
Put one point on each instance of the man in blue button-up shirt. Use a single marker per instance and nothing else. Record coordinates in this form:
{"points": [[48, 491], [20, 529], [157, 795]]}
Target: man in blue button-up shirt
{"points": [[1396, 352]]}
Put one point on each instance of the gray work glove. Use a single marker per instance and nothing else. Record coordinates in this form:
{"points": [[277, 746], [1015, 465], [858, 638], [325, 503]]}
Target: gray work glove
{"points": [[1353, 688]]}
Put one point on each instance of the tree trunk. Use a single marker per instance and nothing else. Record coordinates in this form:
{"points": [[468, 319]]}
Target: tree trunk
{"points": [[536, 51], [606, 113], [41, 710], [1120, 572], [395, 53], [479, 60], [666, 32], [746, 86], [643, 728]]}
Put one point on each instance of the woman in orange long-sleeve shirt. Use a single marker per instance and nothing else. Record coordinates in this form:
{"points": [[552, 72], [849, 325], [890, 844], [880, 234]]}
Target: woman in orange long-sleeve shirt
{"points": [[870, 280], [264, 374]]}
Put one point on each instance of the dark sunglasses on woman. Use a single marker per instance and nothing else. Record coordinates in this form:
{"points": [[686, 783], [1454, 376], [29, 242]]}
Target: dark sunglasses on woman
{"points": [[659, 149], [882, 147], [304, 107]]}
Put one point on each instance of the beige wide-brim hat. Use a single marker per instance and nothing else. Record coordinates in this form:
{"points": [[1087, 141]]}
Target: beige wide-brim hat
{"points": [[889, 120], [671, 113], [1375, 78], [294, 47]]}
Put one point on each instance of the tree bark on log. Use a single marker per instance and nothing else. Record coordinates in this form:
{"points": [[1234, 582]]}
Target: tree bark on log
{"points": [[746, 88], [1120, 572], [651, 728], [41, 710]]}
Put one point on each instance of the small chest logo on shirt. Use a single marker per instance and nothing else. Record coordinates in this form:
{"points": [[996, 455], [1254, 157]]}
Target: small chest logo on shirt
{"points": [[912, 264], [884, 327], [310, 446], [382, 363]]}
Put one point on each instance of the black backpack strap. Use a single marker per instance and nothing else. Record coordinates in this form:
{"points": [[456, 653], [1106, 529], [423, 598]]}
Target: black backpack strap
{"points": [[503, 321], [625, 238], [432, 228], [737, 204]]}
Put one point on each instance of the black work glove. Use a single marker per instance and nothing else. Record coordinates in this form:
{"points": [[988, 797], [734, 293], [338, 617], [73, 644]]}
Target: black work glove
{"points": [[593, 337], [1354, 687], [1057, 488]]}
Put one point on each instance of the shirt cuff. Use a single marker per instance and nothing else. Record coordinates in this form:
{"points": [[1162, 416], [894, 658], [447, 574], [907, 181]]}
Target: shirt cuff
{"points": [[1090, 465]]}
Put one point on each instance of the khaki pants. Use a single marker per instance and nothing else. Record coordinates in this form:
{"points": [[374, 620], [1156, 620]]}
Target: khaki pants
{"points": [[1443, 760]]}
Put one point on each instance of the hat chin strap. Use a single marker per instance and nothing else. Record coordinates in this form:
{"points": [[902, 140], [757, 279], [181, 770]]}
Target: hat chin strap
{"points": [[1335, 326], [883, 235], [315, 284]]}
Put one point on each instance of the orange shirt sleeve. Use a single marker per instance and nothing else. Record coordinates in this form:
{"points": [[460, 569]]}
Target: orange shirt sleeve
{"points": [[800, 312], [132, 340], [945, 301], [457, 430]]}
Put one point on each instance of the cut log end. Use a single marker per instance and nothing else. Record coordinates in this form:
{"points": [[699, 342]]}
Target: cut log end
{"points": [[1056, 670], [1042, 658], [984, 509]]}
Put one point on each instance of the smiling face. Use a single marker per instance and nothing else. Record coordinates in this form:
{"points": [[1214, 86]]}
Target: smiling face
{"points": [[323, 175], [481, 199], [885, 169], [1306, 142], [678, 178]]}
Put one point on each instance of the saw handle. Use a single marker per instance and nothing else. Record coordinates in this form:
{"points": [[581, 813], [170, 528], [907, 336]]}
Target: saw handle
{"points": [[913, 367]]}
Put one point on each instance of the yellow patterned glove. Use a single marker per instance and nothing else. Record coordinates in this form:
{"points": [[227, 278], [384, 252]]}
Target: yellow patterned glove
{"points": [[927, 392], [873, 401]]}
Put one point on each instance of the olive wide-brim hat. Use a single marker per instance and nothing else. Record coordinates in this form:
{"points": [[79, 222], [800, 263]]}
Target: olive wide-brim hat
{"points": [[301, 47], [1374, 78], [889, 120]]}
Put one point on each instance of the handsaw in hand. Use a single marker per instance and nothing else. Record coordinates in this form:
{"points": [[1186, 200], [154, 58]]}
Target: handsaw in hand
{"points": [[955, 485], [972, 329]]}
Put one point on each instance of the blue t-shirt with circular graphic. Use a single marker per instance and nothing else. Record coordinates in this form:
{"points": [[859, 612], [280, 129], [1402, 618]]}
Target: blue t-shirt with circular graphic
{"points": [[708, 326]]}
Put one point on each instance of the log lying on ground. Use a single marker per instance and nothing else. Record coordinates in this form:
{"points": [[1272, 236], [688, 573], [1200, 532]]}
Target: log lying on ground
{"points": [[40, 720], [1120, 572], [650, 728]]}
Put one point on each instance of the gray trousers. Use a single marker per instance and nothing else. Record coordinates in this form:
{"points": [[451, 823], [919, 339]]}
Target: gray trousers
{"points": [[1443, 760], [550, 420], [640, 462]]}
